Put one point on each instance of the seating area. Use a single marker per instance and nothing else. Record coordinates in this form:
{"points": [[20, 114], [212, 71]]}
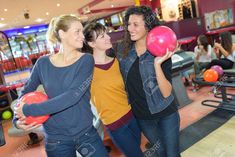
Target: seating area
{"points": [[20, 62]]}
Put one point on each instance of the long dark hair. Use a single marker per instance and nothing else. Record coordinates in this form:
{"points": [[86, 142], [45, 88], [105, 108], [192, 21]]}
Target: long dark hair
{"points": [[203, 41], [91, 32], [226, 41], [150, 20]]}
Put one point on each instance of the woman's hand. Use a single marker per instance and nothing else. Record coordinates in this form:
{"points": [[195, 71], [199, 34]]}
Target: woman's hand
{"points": [[21, 124], [160, 60], [217, 45], [18, 110]]}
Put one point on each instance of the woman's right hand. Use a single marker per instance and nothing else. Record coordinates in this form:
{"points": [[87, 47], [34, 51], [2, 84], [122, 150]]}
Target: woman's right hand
{"points": [[21, 124], [217, 45]]}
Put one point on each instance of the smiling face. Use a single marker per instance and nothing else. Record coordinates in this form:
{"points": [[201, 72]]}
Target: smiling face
{"points": [[102, 42], [136, 27], [73, 37]]}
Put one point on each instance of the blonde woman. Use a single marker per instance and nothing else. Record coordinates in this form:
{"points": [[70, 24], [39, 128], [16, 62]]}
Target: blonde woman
{"points": [[66, 78]]}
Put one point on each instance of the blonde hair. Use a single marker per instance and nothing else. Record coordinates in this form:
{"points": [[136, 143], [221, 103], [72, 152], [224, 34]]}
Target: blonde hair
{"points": [[59, 23]]}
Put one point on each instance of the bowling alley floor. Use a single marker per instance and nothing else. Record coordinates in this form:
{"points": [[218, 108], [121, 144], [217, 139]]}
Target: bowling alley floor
{"points": [[190, 114]]}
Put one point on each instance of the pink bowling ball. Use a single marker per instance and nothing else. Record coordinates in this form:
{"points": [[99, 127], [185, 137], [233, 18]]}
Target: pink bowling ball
{"points": [[218, 69], [159, 39]]}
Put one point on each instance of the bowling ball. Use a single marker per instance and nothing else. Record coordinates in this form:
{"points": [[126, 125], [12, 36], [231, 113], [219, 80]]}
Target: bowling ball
{"points": [[3, 103], [218, 69], [210, 75], [6, 115], [31, 98], [159, 39]]}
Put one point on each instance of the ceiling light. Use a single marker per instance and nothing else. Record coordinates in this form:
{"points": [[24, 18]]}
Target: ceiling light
{"points": [[39, 20], [112, 6], [58, 4], [47, 13], [20, 34], [5, 9], [2, 19], [2, 25], [26, 27]]}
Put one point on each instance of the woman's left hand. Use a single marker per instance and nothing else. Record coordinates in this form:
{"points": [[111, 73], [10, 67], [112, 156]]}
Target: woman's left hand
{"points": [[18, 110], [160, 60]]}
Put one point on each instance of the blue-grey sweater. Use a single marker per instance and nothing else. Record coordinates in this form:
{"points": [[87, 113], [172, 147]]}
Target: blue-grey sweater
{"points": [[68, 89]]}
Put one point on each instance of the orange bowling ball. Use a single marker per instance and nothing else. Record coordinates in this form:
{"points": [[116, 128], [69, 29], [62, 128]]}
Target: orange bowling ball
{"points": [[210, 75]]}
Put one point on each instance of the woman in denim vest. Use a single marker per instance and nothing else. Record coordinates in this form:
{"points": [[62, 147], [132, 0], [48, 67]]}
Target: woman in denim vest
{"points": [[148, 84]]}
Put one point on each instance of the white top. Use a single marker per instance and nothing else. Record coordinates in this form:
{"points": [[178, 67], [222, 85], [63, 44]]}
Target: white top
{"points": [[231, 57], [202, 56]]}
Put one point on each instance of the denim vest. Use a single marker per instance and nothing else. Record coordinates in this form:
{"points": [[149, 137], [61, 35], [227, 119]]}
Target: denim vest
{"points": [[156, 102]]}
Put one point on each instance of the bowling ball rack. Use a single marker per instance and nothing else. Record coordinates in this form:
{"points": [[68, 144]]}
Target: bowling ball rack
{"points": [[226, 100]]}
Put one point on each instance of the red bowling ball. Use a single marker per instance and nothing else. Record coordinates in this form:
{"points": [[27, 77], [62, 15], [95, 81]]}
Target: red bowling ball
{"points": [[35, 97], [159, 39]]}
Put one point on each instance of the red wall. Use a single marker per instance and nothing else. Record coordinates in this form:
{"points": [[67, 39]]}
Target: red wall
{"points": [[187, 27], [155, 4]]}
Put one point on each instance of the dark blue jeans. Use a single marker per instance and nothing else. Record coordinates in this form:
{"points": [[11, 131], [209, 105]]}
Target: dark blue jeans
{"points": [[163, 133], [128, 139], [88, 145]]}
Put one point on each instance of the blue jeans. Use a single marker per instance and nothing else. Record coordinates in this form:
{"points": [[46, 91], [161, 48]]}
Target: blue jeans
{"points": [[163, 133], [128, 139], [88, 145]]}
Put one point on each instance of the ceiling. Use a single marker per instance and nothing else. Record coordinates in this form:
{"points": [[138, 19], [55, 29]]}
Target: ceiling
{"points": [[47, 9]]}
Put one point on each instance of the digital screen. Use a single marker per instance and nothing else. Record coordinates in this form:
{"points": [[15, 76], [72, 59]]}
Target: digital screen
{"points": [[101, 21], [115, 20]]}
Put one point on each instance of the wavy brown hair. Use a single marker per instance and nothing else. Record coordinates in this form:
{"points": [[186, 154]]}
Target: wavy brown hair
{"points": [[150, 20]]}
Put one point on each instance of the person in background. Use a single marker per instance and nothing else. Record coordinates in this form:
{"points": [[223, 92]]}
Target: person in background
{"points": [[66, 78], [203, 54], [108, 93], [225, 51], [148, 83]]}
